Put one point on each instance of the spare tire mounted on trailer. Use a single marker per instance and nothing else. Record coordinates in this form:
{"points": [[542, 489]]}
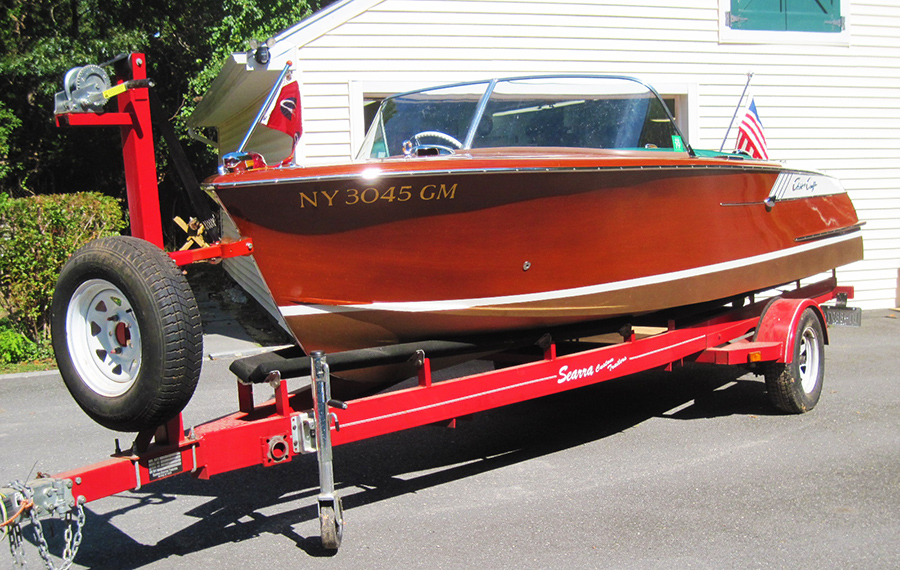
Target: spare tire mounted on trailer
{"points": [[126, 333]]}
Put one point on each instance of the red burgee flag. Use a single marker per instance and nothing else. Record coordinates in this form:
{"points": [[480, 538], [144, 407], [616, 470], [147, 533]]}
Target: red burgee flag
{"points": [[284, 114], [751, 138]]}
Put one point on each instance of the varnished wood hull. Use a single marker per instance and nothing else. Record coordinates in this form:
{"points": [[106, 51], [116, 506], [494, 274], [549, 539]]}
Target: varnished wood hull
{"points": [[404, 250]]}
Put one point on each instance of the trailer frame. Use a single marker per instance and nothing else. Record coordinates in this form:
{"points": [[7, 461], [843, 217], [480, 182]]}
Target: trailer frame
{"points": [[309, 421]]}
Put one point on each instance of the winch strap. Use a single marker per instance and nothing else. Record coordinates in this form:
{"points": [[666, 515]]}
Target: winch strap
{"points": [[183, 168]]}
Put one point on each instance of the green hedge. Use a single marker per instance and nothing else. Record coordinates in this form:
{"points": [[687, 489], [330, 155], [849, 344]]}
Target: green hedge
{"points": [[37, 236]]}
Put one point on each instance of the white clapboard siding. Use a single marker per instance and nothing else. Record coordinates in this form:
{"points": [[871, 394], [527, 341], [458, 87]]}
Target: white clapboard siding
{"points": [[831, 106]]}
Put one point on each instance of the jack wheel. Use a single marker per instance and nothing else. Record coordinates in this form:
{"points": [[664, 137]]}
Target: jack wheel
{"points": [[126, 333], [332, 527], [795, 388]]}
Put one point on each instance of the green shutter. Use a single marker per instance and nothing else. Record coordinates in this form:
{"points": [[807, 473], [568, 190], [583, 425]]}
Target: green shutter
{"points": [[758, 15], [814, 15], [786, 15]]}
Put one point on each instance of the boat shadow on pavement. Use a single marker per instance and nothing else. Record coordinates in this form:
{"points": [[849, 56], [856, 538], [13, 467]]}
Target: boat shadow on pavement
{"points": [[371, 471]]}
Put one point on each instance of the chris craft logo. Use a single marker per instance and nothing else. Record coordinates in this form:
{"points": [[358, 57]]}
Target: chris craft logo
{"points": [[567, 375], [373, 195], [806, 185], [795, 186]]}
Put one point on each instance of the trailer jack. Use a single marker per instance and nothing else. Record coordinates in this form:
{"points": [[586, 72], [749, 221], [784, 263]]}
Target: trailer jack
{"points": [[331, 517], [311, 433]]}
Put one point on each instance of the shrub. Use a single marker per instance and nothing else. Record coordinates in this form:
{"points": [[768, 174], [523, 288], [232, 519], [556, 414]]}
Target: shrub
{"points": [[14, 347], [37, 236]]}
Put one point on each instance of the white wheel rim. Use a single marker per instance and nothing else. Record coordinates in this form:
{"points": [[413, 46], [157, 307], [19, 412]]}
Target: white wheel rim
{"points": [[808, 360], [103, 337]]}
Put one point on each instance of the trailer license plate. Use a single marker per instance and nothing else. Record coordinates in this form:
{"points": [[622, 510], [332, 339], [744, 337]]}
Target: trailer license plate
{"points": [[842, 316]]}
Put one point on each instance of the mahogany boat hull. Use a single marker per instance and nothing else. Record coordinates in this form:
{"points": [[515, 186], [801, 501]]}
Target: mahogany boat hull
{"points": [[402, 250]]}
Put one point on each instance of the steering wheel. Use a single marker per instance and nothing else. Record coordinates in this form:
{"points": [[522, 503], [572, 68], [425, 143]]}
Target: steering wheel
{"points": [[437, 134]]}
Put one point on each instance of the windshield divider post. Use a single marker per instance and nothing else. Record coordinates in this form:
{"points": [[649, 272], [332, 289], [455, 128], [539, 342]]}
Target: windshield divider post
{"points": [[479, 111]]}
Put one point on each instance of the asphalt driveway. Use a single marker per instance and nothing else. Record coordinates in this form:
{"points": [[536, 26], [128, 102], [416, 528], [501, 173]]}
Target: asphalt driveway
{"points": [[691, 469]]}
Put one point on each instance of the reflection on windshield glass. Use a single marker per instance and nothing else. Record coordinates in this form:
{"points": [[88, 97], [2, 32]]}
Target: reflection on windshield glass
{"points": [[597, 113]]}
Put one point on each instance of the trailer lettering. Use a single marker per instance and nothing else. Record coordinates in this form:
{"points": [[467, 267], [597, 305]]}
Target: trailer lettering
{"points": [[566, 376], [611, 364]]}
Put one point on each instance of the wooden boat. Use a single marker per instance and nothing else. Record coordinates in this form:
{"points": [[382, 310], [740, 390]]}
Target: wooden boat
{"points": [[524, 203]]}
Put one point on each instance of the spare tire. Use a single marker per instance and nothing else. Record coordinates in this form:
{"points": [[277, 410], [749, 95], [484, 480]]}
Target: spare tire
{"points": [[127, 334]]}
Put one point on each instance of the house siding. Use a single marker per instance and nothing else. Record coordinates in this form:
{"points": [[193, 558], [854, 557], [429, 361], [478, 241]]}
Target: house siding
{"points": [[833, 107]]}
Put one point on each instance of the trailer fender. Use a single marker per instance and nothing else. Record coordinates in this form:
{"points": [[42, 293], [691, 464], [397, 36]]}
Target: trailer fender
{"points": [[779, 320]]}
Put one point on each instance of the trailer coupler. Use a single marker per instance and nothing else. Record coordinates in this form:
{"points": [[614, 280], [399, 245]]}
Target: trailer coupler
{"points": [[41, 498]]}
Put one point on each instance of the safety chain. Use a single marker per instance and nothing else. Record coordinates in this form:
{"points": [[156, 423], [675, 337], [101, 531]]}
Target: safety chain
{"points": [[16, 540], [16, 548]]}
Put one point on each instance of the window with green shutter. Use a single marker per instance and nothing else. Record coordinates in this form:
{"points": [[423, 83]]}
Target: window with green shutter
{"points": [[786, 15]]}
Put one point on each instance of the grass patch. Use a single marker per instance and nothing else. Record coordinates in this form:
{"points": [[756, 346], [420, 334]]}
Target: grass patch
{"points": [[40, 365]]}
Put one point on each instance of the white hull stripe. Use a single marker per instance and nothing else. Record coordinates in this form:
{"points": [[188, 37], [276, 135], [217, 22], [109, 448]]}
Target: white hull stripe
{"points": [[463, 304]]}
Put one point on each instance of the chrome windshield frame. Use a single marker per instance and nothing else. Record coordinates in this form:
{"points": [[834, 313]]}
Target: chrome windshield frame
{"points": [[490, 85]]}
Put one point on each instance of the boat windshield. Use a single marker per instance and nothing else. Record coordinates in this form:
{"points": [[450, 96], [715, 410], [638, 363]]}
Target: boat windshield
{"points": [[598, 112]]}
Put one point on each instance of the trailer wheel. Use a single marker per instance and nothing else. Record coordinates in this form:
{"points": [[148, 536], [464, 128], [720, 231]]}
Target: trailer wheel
{"points": [[126, 333], [332, 528], [795, 388]]}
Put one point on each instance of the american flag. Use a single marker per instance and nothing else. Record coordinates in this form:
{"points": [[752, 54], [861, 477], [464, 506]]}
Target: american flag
{"points": [[751, 138]]}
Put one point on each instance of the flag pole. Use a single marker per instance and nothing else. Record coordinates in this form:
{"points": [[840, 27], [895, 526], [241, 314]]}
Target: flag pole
{"points": [[272, 94], [736, 109]]}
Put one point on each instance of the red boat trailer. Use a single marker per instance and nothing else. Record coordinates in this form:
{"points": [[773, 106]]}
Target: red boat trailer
{"points": [[765, 333], [781, 338]]}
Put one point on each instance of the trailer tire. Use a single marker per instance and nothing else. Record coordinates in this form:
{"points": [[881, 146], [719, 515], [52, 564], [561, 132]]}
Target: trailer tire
{"points": [[127, 334], [795, 388]]}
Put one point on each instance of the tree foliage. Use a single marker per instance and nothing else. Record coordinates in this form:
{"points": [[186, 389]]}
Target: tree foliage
{"points": [[185, 42]]}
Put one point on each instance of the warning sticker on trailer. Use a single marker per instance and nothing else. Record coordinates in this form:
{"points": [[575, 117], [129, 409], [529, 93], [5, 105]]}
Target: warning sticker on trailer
{"points": [[164, 466]]}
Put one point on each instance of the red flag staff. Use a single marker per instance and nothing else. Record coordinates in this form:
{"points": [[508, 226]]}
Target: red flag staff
{"points": [[269, 100]]}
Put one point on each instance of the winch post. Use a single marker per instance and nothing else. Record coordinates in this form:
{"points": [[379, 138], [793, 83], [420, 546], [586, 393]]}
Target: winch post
{"points": [[139, 155], [133, 120], [330, 512]]}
